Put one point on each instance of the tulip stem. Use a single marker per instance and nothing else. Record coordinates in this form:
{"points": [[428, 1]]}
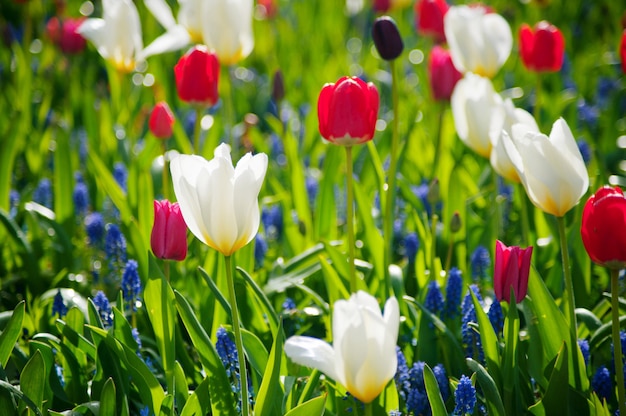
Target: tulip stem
{"points": [[164, 177], [368, 409], [391, 181], [350, 218], [438, 141], [197, 129], [243, 376], [567, 273], [524, 214], [536, 110], [617, 343]]}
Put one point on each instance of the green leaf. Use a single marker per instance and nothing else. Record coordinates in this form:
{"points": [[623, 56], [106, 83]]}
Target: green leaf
{"points": [[267, 305], [556, 398], [313, 407], [216, 291], [33, 380], [180, 384], [271, 390], [222, 401], [16, 392], [198, 403], [489, 342], [63, 181], [11, 333], [325, 208], [160, 305], [256, 353], [107, 399], [437, 404], [494, 400]]}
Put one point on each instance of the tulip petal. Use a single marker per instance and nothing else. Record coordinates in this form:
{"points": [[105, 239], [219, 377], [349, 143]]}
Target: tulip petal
{"points": [[249, 175], [314, 353], [94, 30], [185, 170], [162, 12], [497, 30], [176, 37]]}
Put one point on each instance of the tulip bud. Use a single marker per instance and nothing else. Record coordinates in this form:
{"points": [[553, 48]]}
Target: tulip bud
{"points": [[429, 16], [63, 34], [442, 73], [541, 48], [161, 121], [603, 227], [511, 269], [433, 192], [197, 74], [278, 86], [387, 38], [169, 232], [347, 111], [455, 222]]}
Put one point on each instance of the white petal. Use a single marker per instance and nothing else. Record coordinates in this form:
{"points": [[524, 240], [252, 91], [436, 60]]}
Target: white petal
{"points": [[185, 170], [94, 30], [162, 12], [498, 40], [249, 175], [174, 39], [314, 353]]}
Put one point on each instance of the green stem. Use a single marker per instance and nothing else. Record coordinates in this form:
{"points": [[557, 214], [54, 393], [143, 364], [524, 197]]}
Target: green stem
{"points": [[391, 182], [164, 177], [368, 409], [197, 129], [229, 112], [434, 219], [524, 214], [496, 207], [617, 344], [567, 273], [438, 142], [536, 110], [450, 248], [166, 269], [350, 218], [243, 375]]}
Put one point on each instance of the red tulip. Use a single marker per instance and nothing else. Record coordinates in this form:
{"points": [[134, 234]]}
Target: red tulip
{"points": [[381, 6], [169, 232], [63, 34], [269, 8], [161, 121], [442, 73], [429, 18], [622, 51], [542, 48], [603, 227], [197, 73], [511, 269], [347, 111]]}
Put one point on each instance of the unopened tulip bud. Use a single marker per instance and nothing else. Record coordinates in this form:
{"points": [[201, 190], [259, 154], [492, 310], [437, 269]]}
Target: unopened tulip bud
{"points": [[455, 222], [278, 86], [169, 233], [387, 38], [161, 121]]}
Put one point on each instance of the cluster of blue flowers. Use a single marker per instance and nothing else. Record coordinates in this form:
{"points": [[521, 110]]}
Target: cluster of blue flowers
{"points": [[227, 351], [464, 396]]}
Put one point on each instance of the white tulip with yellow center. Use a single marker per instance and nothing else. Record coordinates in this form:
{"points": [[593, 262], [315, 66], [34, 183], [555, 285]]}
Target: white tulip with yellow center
{"points": [[473, 103], [480, 42], [227, 28], [117, 35], [219, 202], [551, 168], [363, 355], [502, 121]]}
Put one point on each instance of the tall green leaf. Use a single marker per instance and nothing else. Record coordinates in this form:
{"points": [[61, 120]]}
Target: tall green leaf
{"points": [[271, 390], [11, 333]]}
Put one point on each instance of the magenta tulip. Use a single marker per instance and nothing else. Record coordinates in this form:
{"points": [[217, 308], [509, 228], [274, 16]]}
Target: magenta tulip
{"points": [[511, 269], [169, 233]]}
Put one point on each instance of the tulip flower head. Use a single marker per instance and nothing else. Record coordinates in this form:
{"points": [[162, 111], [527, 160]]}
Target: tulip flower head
{"points": [[363, 355], [429, 16], [551, 168], [511, 270], [442, 73], [227, 28], [480, 42], [387, 38], [542, 47], [603, 227], [347, 111], [63, 33], [197, 74], [474, 102], [169, 232], [161, 121], [117, 35], [219, 202], [503, 119]]}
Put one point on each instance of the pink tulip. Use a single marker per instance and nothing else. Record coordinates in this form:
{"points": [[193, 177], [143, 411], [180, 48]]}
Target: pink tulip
{"points": [[511, 269], [169, 233]]}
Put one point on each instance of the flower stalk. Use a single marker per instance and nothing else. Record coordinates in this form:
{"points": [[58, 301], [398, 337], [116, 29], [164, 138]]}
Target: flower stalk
{"points": [[350, 219]]}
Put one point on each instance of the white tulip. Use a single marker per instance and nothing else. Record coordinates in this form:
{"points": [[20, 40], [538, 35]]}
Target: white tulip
{"points": [[179, 34], [363, 355], [551, 169], [227, 28], [479, 42], [117, 35], [220, 203], [473, 104], [502, 121]]}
